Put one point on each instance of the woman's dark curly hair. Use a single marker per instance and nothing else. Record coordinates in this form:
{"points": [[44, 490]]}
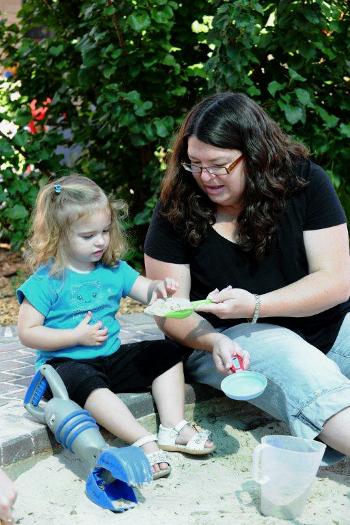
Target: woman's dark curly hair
{"points": [[234, 121]]}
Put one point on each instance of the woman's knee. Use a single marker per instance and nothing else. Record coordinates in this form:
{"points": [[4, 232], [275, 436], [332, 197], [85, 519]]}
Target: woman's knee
{"points": [[340, 351]]}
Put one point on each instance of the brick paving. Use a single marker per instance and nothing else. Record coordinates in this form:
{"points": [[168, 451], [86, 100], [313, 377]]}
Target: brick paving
{"points": [[21, 436], [17, 361]]}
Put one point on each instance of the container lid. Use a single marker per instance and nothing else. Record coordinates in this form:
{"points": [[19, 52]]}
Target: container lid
{"points": [[244, 385]]}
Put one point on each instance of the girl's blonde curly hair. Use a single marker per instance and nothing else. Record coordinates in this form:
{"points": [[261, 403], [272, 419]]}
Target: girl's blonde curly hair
{"points": [[58, 205]]}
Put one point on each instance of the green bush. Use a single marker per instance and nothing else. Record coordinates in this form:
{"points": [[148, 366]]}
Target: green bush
{"points": [[121, 74], [293, 58]]}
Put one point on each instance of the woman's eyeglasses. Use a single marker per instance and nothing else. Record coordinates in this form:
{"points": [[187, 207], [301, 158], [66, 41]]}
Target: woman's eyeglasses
{"points": [[215, 171]]}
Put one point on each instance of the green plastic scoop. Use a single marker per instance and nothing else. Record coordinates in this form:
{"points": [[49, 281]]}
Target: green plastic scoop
{"points": [[175, 308]]}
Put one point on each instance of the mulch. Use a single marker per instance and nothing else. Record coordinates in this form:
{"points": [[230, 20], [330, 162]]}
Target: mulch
{"points": [[13, 273]]}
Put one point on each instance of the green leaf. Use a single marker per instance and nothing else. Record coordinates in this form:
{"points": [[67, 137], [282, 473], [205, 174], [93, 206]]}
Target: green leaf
{"points": [[116, 53], [197, 27], [150, 62], [169, 60], [137, 140], [132, 96], [5, 148], [310, 15], [127, 119], [139, 22], [294, 75], [142, 110], [91, 58], [110, 10], [197, 70], [162, 16], [56, 50], [330, 120], [303, 97], [179, 91], [149, 131], [345, 130], [253, 91], [17, 212], [164, 126], [307, 51], [293, 114], [161, 129], [275, 86], [108, 71]]}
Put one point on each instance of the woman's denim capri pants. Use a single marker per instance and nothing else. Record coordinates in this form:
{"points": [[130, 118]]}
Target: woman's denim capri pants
{"points": [[305, 387]]}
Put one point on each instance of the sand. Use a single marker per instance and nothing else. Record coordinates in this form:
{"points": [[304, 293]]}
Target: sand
{"points": [[200, 491]]}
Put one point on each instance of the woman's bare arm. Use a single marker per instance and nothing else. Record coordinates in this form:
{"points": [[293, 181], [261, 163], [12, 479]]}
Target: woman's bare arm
{"points": [[326, 285], [193, 331]]}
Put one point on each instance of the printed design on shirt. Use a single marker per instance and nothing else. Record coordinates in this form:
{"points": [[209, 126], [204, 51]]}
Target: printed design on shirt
{"points": [[85, 297]]}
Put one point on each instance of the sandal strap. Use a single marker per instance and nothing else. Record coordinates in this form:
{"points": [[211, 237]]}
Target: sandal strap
{"points": [[197, 442], [181, 425], [167, 436], [144, 440], [159, 456]]}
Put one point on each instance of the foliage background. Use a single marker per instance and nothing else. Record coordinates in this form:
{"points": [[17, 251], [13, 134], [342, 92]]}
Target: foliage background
{"points": [[121, 75]]}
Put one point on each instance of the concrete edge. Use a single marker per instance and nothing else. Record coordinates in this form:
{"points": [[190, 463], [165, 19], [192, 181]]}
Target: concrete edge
{"points": [[21, 437]]}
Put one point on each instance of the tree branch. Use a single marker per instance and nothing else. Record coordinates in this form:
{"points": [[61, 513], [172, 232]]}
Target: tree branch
{"points": [[119, 33]]}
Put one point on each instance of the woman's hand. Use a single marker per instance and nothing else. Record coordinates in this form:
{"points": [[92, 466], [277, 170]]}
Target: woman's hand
{"points": [[230, 303], [8, 495], [163, 289], [90, 334], [224, 350]]}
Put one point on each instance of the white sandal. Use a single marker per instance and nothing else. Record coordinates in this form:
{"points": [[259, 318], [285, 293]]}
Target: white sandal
{"points": [[195, 446], [155, 457]]}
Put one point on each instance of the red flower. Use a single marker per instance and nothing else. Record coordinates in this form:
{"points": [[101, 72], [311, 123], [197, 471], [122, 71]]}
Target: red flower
{"points": [[38, 114], [32, 127]]}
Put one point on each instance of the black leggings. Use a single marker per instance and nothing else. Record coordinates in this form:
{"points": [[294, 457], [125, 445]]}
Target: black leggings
{"points": [[132, 368]]}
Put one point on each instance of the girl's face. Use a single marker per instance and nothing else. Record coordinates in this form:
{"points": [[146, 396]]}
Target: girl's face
{"points": [[88, 240], [224, 190]]}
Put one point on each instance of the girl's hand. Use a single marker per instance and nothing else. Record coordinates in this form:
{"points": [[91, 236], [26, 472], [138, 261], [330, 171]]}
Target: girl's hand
{"points": [[230, 303], [224, 350], [164, 289], [8, 495], [90, 335]]}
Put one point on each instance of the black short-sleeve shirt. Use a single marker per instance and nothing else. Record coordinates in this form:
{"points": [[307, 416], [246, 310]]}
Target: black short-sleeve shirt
{"points": [[217, 262]]}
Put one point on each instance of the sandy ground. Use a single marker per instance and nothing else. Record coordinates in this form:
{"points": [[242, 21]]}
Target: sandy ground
{"points": [[200, 491]]}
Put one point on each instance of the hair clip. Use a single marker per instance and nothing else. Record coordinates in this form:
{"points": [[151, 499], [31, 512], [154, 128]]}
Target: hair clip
{"points": [[58, 188]]}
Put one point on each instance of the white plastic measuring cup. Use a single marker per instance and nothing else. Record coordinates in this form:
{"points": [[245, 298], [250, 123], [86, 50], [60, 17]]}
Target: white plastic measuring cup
{"points": [[285, 467]]}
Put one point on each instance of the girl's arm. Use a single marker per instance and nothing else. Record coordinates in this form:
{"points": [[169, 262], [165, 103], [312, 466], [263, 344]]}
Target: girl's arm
{"points": [[147, 290], [33, 334], [326, 285], [193, 331]]}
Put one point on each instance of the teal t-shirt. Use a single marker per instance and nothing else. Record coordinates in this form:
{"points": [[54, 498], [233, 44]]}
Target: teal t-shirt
{"points": [[64, 301]]}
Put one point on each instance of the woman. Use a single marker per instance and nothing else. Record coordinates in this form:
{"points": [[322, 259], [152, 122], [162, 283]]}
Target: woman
{"points": [[243, 210]]}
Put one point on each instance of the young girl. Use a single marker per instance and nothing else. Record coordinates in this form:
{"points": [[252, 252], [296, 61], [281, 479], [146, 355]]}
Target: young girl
{"points": [[67, 313]]}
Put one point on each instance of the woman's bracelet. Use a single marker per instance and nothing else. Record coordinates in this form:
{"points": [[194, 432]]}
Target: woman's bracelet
{"points": [[256, 309]]}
